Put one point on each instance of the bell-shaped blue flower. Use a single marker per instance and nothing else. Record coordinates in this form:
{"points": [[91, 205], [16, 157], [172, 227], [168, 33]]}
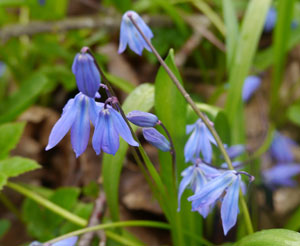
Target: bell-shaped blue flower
{"points": [[281, 148], [77, 114], [155, 138], [142, 119], [109, 126], [271, 19], [130, 36], [281, 175], [199, 142], [195, 177], [70, 241], [235, 150], [251, 84], [230, 182], [86, 73]]}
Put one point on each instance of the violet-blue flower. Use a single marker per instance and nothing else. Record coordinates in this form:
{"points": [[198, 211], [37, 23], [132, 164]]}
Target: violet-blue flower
{"points": [[251, 84], [235, 150], [271, 19], [142, 119], [77, 114], [195, 177], [229, 181], [109, 126], [199, 142], [155, 138], [2, 68], [130, 36], [281, 148], [86, 73], [281, 175], [70, 241]]}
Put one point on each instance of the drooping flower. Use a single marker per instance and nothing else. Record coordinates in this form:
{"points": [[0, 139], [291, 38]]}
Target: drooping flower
{"points": [[86, 73], [281, 175], [109, 125], [228, 181], [281, 148], [251, 84], [77, 114], [195, 177], [70, 241], [235, 150], [142, 119], [155, 138], [131, 36], [199, 142], [271, 19]]}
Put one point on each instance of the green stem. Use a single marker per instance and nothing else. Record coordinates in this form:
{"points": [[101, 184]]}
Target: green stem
{"points": [[47, 204], [10, 206], [199, 114], [122, 240]]}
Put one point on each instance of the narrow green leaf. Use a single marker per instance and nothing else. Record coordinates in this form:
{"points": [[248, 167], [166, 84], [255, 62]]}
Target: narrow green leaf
{"points": [[142, 98], [245, 49], [23, 98], [10, 134], [232, 29], [293, 114], [15, 166], [4, 226], [222, 127], [272, 237], [294, 221], [281, 38], [3, 180]]}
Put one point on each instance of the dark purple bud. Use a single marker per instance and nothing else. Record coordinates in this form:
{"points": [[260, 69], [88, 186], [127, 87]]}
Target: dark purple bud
{"points": [[86, 73], [156, 139], [142, 119]]}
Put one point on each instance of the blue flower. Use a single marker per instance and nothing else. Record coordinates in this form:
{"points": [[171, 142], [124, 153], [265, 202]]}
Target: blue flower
{"points": [[2, 68], [86, 73], [251, 84], [156, 139], [195, 177], [199, 142], [235, 150], [142, 119], [70, 241], [271, 19], [281, 148], [228, 181], [281, 175], [131, 36], [77, 114], [109, 126]]}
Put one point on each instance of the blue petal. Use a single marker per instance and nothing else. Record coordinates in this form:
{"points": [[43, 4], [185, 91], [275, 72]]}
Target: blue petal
{"points": [[142, 119], [98, 133], [63, 125], [235, 150], [190, 128], [80, 130], [192, 146], [122, 127], [94, 109], [251, 84], [156, 139], [271, 19], [188, 175], [205, 145], [230, 207], [135, 40], [71, 241], [212, 190], [86, 73], [123, 36], [281, 148]]}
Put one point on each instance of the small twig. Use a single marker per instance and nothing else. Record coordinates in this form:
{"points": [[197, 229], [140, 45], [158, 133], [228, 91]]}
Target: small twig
{"points": [[94, 220]]}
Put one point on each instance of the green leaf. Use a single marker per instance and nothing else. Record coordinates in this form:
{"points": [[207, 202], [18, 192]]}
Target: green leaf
{"points": [[122, 84], [142, 98], [10, 134], [293, 114], [245, 49], [23, 98], [3, 180], [272, 237], [281, 38], [4, 226], [222, 127], [15, 166], [232, 29], [294, 221]]}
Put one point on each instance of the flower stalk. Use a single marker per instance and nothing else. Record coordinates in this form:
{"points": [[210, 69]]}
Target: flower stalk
{"points": [[199, 114]]}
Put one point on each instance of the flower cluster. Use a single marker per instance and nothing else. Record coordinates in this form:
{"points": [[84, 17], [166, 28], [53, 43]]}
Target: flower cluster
{"points": [[285, 169], [83, 109]]}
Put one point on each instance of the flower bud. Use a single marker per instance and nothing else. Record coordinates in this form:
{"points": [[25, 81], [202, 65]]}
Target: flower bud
{"points": [[156, 139], [86, 73], [142, 119]]}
